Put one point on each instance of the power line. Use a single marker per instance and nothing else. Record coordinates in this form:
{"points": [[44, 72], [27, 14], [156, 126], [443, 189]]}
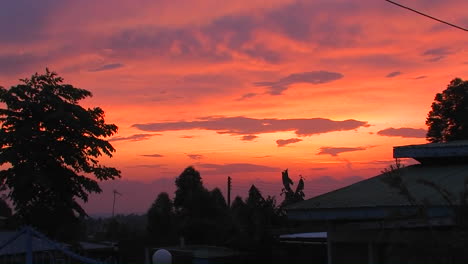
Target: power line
{"points": [[428, 16]]}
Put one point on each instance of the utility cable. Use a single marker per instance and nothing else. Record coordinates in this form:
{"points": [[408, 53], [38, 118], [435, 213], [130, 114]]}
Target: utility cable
{"points": [[428, 16]]}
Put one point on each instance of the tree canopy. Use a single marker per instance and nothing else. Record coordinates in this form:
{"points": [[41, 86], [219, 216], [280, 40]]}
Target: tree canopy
{"points": [[50, 146], [291, 196], [448, 119]]}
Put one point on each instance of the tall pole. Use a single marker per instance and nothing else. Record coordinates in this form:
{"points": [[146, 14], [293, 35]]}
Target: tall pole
{"points": [[113, 203], [229, 192]]}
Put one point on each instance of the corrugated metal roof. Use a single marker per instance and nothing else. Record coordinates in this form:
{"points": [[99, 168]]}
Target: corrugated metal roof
{"points": [[448, 152], [18, 246], [375, 192]]}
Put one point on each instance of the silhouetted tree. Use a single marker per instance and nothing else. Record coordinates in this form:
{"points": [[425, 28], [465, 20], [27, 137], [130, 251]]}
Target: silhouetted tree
{"points": [[448, 119], [5, 209], [51, 144], [161, 220], [197, 209], [190, 195], [291, 196], [262, 214]]}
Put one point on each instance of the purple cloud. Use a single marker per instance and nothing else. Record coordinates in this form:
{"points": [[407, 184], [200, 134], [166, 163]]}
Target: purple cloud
{"points": [[405, 132], [335, 151], [247, 96], [437, 54], [135, 137], [393, 74], [314, 77], [107, 67], [250, 126], [284, 142], [249, 137], [195, 156], [420, 77]]}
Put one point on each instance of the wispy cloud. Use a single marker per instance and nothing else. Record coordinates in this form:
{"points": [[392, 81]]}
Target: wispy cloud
{"points": [[405, 132], [187, 137], [437, 54], [135, 137], [314, 77], [247, 96], [393, 74], [209, 168], [284, 142], [335, 151], [195, 156], [250, 126], [107, 67], [249, 137], [152, 155]]}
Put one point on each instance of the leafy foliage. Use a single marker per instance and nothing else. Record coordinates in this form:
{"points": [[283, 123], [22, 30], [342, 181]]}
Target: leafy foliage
{"points": [[161, 218], [50, 146], [448, 119], [291, 196]]}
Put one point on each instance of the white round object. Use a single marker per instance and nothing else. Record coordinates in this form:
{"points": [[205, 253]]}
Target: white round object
{"points": [[162, 256]]}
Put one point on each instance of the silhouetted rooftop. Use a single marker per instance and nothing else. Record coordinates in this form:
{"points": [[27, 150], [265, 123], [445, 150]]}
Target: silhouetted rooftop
{"points": [[376, 193], [449, 152]]}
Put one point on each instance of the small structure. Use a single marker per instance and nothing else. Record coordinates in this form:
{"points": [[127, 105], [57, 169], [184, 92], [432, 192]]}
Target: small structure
{"points": [[404, 215]]}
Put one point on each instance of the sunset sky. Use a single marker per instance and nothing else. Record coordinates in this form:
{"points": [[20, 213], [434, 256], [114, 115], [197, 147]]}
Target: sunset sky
{"points": [[243, 88]]}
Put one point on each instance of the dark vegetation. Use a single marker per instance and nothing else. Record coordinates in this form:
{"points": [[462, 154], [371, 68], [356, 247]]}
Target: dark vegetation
{"points": [[49, 147], [448, 119], [200, 217], [49, 150]]}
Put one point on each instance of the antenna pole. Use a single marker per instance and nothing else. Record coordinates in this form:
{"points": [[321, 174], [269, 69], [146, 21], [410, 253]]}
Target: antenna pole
{"points": [[113, 205], [229, 192]]}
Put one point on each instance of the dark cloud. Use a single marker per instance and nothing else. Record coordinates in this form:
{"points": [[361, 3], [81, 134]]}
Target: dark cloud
{"points": [[250, 126], [153, 155], [405, 132], [420, 77], [25, 21], [247, 96], [249, 137], [107, 67], [315, 21], [334, 151], [135, 137], [284, 142], [138, 41], [314, 77], [393, 74], [224, 169], [195, 156], [373, 60], [437, 54], [232, 30], [263, 53]]}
